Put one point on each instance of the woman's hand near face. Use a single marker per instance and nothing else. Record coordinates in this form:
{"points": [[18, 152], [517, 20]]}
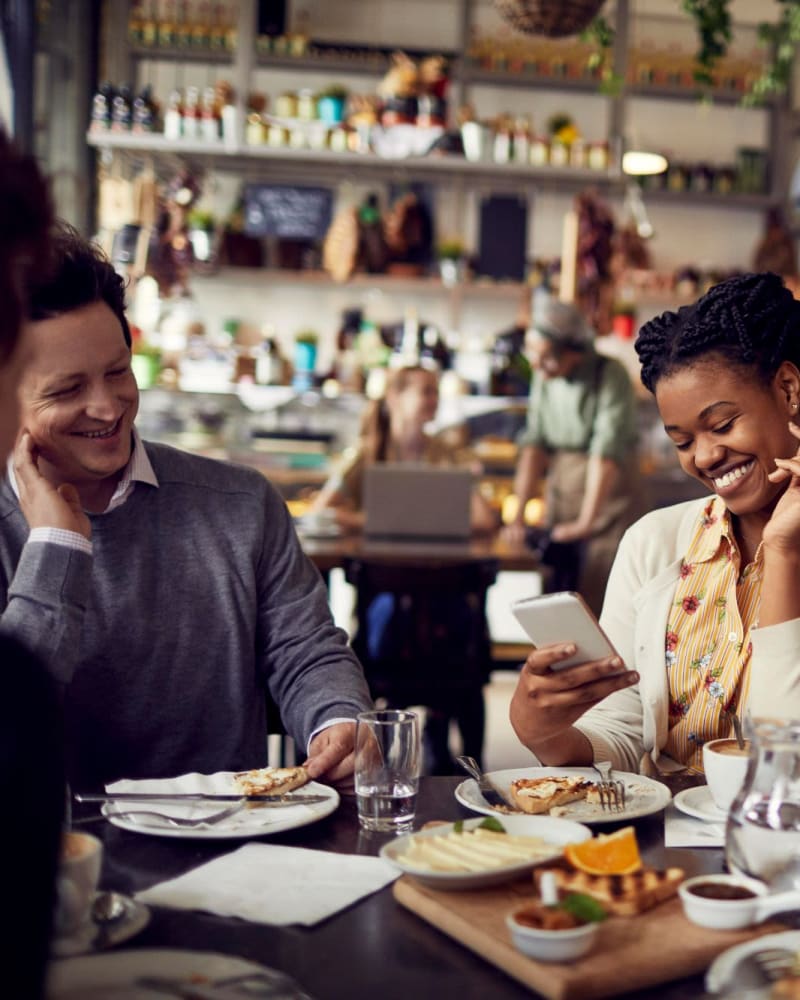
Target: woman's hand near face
{"points": [[44, 505], [782, 531], [547, 702]]}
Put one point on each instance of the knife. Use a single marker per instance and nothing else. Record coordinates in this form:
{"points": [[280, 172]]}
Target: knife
{"points": [[486, 788], [190, 797]]}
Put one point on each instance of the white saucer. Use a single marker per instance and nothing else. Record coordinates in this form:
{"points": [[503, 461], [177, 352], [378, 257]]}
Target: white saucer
{"points": [[697, 802], [85, 939]]}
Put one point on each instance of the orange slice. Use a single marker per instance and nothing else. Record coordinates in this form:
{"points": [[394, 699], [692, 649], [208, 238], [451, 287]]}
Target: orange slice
{"points": [[610, 854]]}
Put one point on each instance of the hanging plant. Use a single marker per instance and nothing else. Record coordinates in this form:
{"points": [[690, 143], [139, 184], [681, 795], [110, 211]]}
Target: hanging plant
{"points": [[782, 38], [714, 27], [714, 30]]}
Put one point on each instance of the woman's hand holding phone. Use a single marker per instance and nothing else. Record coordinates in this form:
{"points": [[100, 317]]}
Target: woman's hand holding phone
{"points": [[560, 680]]}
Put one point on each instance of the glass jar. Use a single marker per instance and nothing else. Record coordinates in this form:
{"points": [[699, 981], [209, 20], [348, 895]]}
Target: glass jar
{"points": [[762, 837]]}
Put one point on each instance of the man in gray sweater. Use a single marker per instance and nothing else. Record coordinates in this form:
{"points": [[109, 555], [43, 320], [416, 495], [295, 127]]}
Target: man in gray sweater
{"points": [[166, 592]]}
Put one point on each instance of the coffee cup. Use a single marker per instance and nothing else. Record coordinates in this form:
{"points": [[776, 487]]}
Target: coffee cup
{"points": [[78, 874], [725, 765]]}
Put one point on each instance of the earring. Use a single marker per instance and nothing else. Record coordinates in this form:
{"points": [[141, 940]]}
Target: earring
{"points": [[794, 407]]}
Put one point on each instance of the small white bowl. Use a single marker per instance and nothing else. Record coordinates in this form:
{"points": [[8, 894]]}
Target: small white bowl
{"points": [[551, 946], [722, 914]]}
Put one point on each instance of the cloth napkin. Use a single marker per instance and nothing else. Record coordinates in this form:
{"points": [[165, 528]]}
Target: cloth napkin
{"points": [[681, 830], [271, 884], [248, 821]]}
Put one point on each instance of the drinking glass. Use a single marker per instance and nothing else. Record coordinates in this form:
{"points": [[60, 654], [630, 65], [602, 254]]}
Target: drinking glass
{"points": [[387, 769], [762, 837]]}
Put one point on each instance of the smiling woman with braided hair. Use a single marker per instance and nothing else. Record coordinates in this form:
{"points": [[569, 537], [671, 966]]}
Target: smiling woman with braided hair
{"points": [[703, 601]]}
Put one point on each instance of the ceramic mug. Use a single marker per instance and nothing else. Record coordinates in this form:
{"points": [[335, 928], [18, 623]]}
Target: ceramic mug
{"points": [[725, 765], [78, 874]]}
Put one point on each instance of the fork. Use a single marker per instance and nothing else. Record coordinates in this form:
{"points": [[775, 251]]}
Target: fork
{"points": [[180, 821], [612, 792]]}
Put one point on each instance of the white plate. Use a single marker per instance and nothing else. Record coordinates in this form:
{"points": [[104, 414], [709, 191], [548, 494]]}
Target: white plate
{"points": [[557, 832], [249, 822], [113, 976], [722, 970], [135, 918], [697, 802], [643, 796]]}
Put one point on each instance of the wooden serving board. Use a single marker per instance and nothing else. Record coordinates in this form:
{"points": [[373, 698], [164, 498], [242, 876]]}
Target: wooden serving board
{"points": [[630, 952]]}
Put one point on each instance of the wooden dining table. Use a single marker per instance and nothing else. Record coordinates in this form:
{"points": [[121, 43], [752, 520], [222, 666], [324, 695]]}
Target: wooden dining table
{"points": [[328, 553], [374, 948]]}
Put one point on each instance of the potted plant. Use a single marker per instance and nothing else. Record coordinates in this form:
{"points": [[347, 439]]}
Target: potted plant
{"points": [[331, 104], [451, 261]]}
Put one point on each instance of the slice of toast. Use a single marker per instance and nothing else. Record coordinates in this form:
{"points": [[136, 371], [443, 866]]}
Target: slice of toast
{"points": [[270, 780], [539, 795], [623, 895]]}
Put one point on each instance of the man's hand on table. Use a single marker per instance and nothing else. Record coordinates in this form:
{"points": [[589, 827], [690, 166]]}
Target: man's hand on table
{"points": [[331, 756]]}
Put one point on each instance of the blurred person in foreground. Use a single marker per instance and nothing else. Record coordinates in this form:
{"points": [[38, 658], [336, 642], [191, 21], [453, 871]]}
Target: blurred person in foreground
{"points": [[166, 592], [395, 429], [31, 756], [703, 601], [581, 435]]}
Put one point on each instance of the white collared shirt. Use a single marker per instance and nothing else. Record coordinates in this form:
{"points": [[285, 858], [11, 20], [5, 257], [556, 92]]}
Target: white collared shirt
{"points": [[138, 470]]}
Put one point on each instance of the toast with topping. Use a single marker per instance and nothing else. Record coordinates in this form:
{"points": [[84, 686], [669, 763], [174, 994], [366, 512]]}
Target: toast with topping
{"points": [[539, 795], [623, 895], [270, 780]]}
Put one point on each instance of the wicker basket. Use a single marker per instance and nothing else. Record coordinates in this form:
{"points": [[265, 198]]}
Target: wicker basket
{"points": [[555, 18]]}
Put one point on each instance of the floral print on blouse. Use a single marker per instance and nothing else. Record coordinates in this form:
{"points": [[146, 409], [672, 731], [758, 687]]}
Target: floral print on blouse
{"points": [[707, 645]]}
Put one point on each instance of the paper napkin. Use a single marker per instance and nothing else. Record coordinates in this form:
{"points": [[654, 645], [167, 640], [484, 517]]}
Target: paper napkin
{"points": [[681, 830], [271, 884]]}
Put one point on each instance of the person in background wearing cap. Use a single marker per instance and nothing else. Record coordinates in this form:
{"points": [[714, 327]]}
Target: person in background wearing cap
{"points": [[581, 433]]}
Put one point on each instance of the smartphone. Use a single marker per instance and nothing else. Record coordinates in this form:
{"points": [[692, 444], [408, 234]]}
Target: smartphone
{"points": [[563, 617]]}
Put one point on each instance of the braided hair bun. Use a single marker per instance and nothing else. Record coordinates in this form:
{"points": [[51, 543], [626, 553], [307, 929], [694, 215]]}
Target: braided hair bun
{"points": [[751, 321]]}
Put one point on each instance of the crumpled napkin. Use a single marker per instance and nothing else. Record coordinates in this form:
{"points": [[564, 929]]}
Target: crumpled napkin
{"points": [[271, 884], [681, 830], [251, 820]]}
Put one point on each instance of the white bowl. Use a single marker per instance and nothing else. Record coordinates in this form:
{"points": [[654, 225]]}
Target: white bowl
{"points": [[555, 831], [551, 946], [722, 914]]}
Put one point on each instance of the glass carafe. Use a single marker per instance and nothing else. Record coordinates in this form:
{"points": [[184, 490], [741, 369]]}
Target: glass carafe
{"points": [[762, 838]]}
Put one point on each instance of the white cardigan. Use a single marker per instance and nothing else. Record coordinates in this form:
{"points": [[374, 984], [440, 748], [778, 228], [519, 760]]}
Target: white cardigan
{"points": [[639, 595]]}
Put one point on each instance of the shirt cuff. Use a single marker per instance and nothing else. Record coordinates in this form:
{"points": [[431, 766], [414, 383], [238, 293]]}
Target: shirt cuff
{"points": [[60, 536], [325, 725]]}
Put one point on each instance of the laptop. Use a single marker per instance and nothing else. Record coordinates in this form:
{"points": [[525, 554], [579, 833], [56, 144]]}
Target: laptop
{"points": [[417, 502]]}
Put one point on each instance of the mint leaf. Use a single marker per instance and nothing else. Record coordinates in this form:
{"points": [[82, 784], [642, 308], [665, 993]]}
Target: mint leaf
{"points": [[584, 907], [490, 823], [458, 826]]}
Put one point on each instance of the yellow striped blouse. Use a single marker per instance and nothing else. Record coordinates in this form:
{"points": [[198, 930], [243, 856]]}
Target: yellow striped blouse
{"points": [[708, 646]]}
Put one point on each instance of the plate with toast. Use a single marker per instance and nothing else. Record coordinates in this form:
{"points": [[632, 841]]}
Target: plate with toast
{"points": [[450, 856], [299, 801], [564, 792]]}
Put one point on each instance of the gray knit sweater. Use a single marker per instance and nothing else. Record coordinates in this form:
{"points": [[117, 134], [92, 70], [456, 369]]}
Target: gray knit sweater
{"points": [[196, 598]]}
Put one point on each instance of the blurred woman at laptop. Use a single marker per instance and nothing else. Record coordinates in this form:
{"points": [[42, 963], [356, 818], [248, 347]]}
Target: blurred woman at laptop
{"points": [[394, 430]]}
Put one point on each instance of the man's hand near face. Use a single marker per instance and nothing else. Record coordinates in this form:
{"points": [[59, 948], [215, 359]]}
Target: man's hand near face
{"points": [[44, 505]]}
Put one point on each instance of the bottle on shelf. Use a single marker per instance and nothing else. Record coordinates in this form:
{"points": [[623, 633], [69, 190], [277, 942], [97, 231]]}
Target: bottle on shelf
{"points": [[183, 27], [173, 116], [190, 117], [122, 110], [167, 26], [144, 111], [210, 116], [101, 109]]}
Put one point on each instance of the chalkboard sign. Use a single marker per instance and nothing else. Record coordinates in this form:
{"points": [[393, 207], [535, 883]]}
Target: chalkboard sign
{"points": [[295, 213], [503, 237]]}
